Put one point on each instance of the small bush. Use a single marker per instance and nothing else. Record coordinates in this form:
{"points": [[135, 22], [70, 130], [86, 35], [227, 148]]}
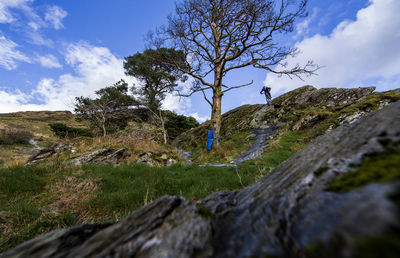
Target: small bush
{"points": [[64, 131], [177, 124], [15, 136]]}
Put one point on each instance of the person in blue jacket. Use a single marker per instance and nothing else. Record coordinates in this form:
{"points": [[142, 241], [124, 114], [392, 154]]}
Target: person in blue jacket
{"points": [[210, 138]]}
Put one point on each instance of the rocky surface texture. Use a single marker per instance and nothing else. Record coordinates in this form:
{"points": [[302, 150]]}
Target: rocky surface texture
{"points": [[329, 97], [157, 159], [284, 111], [43, 154], [102, 156], [288, 213], [261, 136]]}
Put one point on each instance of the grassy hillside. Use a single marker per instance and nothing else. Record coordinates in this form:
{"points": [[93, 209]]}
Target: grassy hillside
{"points": [[305, 112], [36, 123], [38, 199], [56, 194]]}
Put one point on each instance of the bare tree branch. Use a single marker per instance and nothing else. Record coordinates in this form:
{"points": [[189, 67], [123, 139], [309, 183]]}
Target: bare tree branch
{"points": [[236, 87]]}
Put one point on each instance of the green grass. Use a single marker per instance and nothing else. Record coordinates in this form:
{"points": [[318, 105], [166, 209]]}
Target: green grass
{"points": [[230, 148], [23, 199], [286, 144], [27, 199], [128, 187], [19, 180]]}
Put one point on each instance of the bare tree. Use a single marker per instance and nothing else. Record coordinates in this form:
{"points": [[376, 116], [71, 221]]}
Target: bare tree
{"points": [[218, 36]]}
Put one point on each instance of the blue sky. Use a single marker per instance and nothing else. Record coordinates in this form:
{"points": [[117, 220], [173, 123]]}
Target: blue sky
{"points": [[54, 51]]}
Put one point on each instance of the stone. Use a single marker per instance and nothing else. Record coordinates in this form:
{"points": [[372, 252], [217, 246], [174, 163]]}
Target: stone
{"points": [[102, 156], [170, 162], [285, 214], [307, 121], [330, 97], [42, 154], [146, 158], [351, 118], [261, 137]]}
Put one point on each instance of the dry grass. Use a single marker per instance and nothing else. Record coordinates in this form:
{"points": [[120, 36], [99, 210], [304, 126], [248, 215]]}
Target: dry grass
{"points": [[71, 193], [13, 156], [37, 122]]}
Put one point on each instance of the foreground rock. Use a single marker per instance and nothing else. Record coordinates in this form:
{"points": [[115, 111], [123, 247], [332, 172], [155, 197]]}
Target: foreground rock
{"points": [[288, 213]]}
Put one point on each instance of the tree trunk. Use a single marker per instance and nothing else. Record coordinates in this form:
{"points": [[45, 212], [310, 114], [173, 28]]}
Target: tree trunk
{"points": [[216, 108], [103, 125], [163, 128]]}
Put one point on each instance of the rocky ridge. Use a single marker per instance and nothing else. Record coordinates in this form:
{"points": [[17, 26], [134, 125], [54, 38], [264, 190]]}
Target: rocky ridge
{"points": [[307, 103], [288, 213]]}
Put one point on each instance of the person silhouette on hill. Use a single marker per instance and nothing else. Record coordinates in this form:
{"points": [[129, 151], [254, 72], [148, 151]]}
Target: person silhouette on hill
{"points": [[267, 91]]}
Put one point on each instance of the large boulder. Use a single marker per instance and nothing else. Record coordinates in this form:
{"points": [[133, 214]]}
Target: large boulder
{"points": [[288, 213]]}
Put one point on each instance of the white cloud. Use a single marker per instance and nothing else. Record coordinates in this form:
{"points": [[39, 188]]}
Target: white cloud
{"points": [[357, 52], [10, 102], [55, 15], [37, 38], [177, 104], [9, 55], [49, 61], [303, 27], [22, 15], [6, 15], [199, 118], [94, 68], [34, 25]]}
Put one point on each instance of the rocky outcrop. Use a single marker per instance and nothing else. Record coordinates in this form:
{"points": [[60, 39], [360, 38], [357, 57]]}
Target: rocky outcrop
{"points": [[328, 97], [288, 213], [43, 154], [102, 156], [286, 110]]}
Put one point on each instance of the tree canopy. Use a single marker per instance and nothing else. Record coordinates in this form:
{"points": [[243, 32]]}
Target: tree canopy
{"points": [[156, 75], [108, 111]]}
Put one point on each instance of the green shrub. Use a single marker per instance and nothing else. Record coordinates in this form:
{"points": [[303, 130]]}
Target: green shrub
{"points": [[177, 124], [15, 136], [64, 131]]}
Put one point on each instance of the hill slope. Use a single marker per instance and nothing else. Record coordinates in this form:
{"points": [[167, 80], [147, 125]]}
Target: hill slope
{"points": [[304, 113], [55, 193], [322, 202]]}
